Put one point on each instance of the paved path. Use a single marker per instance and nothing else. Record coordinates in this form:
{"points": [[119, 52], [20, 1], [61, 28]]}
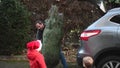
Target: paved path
{"points": [[13, 64]]}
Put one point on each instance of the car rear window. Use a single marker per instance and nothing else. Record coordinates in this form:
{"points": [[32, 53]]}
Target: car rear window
{"points": [[116, 19]]}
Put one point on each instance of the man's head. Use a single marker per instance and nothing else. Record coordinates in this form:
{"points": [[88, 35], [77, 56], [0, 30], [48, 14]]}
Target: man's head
{"points": [[40, 24]]}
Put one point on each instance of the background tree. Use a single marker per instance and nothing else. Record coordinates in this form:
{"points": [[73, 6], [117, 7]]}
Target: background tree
{"points": [[14, 27], [77, 15], [104, 5]]}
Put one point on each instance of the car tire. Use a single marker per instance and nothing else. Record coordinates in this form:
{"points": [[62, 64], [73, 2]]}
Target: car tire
{"points": [[109, 62]]}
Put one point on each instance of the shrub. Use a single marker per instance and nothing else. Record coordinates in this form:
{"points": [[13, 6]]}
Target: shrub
{"points": [[14, 27]]}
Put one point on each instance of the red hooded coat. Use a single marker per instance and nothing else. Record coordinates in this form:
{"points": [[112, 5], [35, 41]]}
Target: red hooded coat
{"points": [[36, 59]]}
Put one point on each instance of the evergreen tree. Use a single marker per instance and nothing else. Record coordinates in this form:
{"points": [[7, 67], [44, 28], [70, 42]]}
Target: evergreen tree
{"points": [[14, 27], [52, 37]]}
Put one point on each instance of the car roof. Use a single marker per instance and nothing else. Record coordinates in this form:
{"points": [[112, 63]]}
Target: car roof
{"points": [[115, 10]]}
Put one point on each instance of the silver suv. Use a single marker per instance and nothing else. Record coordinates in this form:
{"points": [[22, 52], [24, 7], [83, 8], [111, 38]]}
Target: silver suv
{"points": [[101, 41]]}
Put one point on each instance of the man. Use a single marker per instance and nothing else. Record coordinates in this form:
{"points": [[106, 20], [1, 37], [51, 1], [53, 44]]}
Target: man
{"points": [[40, 28]]}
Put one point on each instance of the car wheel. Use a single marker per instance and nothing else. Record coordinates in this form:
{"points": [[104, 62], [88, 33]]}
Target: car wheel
{"points": [[109, 62]]}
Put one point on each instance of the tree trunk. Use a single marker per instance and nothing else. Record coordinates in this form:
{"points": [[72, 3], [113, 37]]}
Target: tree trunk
{"points": [[52, 37]]}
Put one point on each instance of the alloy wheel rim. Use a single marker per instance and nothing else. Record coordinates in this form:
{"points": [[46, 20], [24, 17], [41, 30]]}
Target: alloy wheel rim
{"points": [[111, 64]]}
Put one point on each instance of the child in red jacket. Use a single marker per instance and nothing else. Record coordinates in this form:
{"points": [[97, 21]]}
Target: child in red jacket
{"points": [[36, 59]]}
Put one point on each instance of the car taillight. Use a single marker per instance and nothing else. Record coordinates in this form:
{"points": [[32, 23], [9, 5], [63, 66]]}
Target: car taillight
{"points": [[87, 34]]}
